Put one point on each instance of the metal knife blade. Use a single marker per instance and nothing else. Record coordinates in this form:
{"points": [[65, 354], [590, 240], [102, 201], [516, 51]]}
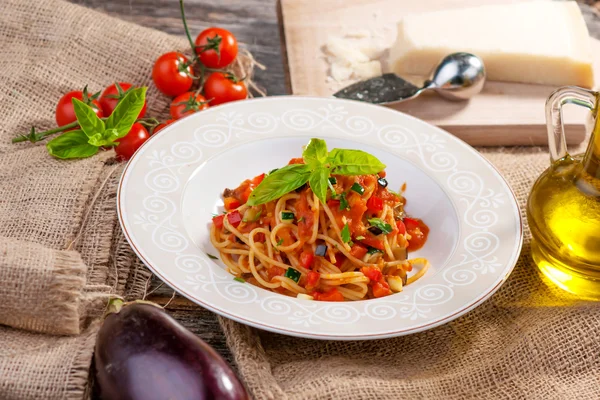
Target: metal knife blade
{"points": [[388, 88]]}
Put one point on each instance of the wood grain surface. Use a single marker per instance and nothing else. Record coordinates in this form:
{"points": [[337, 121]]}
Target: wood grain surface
{"points": [[502, 114], [255, 22]]}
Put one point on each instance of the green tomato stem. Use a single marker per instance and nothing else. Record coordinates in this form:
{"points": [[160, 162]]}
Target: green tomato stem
{"points": [[39, 136], [187, 31]]}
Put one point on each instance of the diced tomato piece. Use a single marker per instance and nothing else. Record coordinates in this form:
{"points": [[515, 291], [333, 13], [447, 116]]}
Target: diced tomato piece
{"points": [[381, 289], [333, 204], [382, 174], [401, 227], [234, 218], [260, 237], [313, 278], [306, 258], [339, 260], [375, 204], [231, 203], [296, 161], [331, 295], [373, 273], [275, 271], [218, 221], [373, 242], [244, 196], [258, 179], [358, 250]]}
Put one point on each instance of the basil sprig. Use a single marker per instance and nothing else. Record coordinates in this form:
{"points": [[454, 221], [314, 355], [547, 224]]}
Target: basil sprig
{"points": [[384, 227], [95, 132], [318, 166]]}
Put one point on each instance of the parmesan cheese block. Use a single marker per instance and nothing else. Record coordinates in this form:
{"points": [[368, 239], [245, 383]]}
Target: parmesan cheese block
{"points": [[543, 42]]}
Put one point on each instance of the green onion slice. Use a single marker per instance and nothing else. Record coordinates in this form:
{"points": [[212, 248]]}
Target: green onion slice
{"points": [[357, 188]]}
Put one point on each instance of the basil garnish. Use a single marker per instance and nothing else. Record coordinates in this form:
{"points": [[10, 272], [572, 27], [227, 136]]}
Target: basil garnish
{"points": [[318, 167], [72, 144], [280, 182], [353, 162], [89, 122], [378, 223], [346, 233]]}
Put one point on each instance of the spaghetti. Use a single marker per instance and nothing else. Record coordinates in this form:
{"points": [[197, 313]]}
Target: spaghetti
{"points": [[352, 246]]}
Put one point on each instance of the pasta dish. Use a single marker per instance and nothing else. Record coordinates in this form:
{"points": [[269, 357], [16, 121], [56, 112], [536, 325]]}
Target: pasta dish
{"points": [[324, 227]]}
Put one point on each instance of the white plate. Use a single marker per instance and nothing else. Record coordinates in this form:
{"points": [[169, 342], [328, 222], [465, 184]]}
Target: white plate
{"points": [[174, 183]]}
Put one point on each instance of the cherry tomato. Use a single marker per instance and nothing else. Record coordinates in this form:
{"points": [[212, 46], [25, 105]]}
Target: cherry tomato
{"points": [[216, 47], [162, 125], [222, 88], [64, 109], [131, 142], [113, 94], [218, 221], [187, 104], [172, 74]]}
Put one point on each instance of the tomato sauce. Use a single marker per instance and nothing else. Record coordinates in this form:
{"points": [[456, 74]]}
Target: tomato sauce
{"points": [[305, 216], [418, 232]]}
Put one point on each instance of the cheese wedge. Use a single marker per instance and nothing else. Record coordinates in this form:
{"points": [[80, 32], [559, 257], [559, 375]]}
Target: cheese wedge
{"points": [[545, 42]]}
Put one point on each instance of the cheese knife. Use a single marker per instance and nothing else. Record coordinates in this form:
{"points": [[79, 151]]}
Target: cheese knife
{"points": [[459, 76]]}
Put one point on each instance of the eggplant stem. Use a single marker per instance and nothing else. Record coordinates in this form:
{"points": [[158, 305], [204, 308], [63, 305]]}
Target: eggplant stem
{"points": [[114, 306]]}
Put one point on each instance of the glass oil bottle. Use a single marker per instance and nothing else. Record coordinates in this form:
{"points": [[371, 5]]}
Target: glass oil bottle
{"points": [[563, 209]]}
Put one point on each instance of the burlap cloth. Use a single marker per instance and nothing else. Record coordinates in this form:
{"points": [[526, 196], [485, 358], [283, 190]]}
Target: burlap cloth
{"points": [[62, 254]]}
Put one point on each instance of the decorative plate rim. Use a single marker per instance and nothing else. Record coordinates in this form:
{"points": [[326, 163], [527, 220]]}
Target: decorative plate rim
{"points": [[506, 270]]}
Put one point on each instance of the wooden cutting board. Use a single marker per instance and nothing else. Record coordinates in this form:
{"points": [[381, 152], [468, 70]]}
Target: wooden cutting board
{"points": [[503, 114]]}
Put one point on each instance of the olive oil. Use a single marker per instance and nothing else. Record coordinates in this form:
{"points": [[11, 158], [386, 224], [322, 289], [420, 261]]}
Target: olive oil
{"points": [[564, 217]]}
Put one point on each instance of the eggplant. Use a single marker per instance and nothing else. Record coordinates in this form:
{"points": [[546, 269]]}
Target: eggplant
{"points": [[142, 353]]}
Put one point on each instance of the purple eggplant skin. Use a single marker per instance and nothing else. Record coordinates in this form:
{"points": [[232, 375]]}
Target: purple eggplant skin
{"points": [[142, 353]]}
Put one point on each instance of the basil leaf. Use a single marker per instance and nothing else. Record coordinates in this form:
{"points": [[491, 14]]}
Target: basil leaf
{"points": [[315, 152], [72, 144], [89, 122], [127, 111], [280, 182], [354, 162], [105, 138], [378, 223], [346, 233], [318, 183]]}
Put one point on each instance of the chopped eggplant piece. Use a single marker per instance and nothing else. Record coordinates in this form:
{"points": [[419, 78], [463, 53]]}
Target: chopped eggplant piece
{"points": [[321, 250]]}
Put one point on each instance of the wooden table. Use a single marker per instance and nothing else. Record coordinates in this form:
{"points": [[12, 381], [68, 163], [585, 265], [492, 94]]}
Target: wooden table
{"points": [[254, 22]]}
